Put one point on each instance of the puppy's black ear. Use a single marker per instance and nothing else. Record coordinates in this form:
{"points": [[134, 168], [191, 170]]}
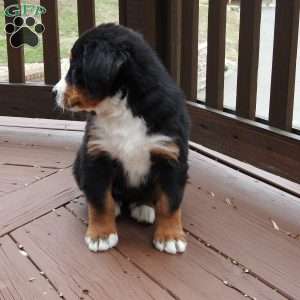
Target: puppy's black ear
{"points": [[100, 67]]}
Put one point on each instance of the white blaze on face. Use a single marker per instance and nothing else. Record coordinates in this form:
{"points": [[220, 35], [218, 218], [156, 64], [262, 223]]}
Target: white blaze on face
{"points": [[60, 89], [61, 86]]}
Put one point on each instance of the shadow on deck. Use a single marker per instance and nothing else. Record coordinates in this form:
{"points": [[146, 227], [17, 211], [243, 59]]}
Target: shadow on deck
{"points": [[243, 233]]}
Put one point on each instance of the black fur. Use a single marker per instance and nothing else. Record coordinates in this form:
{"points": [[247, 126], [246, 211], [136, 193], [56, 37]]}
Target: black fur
{"points": [[112, 58]]}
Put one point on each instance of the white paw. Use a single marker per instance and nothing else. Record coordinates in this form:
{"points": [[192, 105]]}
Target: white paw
{"points": [[102, 244], [170, 246], [143, 213]]}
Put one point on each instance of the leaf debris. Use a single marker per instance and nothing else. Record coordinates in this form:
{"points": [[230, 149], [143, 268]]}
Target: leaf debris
{"points": [[275, 226], [24, 253]]}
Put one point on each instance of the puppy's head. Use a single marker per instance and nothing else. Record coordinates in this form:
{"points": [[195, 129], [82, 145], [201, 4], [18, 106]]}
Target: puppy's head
{"points": [[96, 64]]}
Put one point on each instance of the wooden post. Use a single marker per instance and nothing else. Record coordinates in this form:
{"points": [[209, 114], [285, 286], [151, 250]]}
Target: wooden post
{"points": [[249, 38], [51, 49], [189, 52], [160, 23], [284, 64], [86, 15], [216, 53], [15, 56]]}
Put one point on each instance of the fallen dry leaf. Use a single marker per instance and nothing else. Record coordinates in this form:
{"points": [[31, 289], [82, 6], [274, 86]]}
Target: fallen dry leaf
{"points": [[228, 201], [275, 226], [24, 253]]}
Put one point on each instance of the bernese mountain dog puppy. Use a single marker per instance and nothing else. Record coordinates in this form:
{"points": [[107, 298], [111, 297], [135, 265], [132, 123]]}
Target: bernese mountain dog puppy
{"points": [[135, 147]]}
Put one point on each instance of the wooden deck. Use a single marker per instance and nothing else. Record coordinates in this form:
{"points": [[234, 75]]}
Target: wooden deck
{"points": [[243, 232]]}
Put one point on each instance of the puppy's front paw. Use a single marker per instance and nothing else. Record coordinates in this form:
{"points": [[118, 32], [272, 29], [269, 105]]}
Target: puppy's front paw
{"points": [[143, 213], [101, 243], [170, 242], [101, 233], [170, 246]]}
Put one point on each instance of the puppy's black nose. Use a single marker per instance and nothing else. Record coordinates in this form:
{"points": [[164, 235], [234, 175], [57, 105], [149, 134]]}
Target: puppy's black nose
{"points": [[54, 93]]}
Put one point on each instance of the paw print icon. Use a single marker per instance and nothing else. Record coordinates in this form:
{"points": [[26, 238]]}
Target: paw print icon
{"points": [[24, 31]]}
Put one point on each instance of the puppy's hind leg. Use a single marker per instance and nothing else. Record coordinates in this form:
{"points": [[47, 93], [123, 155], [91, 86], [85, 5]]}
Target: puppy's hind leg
{"points": [[142, 213]]}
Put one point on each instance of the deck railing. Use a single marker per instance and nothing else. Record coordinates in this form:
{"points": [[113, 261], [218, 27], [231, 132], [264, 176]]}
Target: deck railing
{"points": [[171, 27]]}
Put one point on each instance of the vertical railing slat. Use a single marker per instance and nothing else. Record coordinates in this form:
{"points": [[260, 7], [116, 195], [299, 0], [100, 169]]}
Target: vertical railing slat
{"points": [[51, 49], [189, 54], [173, 38], [216, 53], [160, 24], [284, 63], [249, 38], [149, 15], [140, 15], [15, 56], [122, 11], [86, 15]]}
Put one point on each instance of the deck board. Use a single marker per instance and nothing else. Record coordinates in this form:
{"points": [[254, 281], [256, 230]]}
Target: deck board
{"points": [[275, 258], [243, 230], [41, 123], [13, 178], [262, 175], [19, 279], [22, 206], [52, 139], [228, 216], [182, 273], [250, 196], [55, 242], [35, 156]]}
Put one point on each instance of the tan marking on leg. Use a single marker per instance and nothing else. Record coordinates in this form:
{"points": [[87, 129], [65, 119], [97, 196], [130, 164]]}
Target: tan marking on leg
{"points": [[168, 224], [169, 235], [169, 151], [102, 223]]}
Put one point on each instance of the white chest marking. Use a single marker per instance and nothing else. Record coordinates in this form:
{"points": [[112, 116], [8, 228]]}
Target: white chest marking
{"points": [[124, 136]]}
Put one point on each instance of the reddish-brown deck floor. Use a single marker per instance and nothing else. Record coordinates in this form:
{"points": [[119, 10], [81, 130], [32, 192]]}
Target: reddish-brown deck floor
{"points": [[243, 233]]}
